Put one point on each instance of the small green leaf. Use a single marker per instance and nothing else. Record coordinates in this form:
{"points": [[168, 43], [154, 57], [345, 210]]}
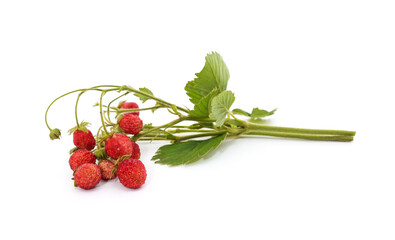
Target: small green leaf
{"points": [[220, 106], [186, 152], [238, 111], [260, 113], [202, 109], [214, 75], [142, 97], [256, 113]]}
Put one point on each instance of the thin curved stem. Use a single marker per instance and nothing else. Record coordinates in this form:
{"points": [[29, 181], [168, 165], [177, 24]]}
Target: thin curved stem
{"points": [[76, 105], [109, 104], [164, 126], [95, 88], [101, 112], [128, 88]]}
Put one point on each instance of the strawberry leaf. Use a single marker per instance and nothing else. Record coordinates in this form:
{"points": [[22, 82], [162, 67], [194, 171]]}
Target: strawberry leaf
{"points": [[238, 111], [202, 109], [220, 106], [186, 152], [260, 113], [256, 113], [214, 75], [142, 97]]}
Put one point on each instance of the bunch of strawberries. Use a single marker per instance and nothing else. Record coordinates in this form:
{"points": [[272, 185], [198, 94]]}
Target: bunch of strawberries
{"points": [[117, 155]]}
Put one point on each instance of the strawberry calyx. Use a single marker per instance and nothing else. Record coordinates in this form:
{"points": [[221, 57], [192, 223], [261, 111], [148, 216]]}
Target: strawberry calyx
{"points": [[81, 126]]}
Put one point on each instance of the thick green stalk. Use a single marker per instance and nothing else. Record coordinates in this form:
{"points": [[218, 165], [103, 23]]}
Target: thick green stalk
{"points": [[254, 126], [322, 137], [213, 133]]}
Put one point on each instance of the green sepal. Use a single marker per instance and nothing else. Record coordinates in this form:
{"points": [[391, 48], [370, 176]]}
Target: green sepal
{"points": [[73, 150], [100, 154], [82, 127], [55, 134]]}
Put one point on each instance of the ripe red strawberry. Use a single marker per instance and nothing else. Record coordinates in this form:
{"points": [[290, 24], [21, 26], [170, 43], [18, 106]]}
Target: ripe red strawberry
{"points": [[87, 176], [80, 157], [84, 139], [136, 151], [118, 145], [131, 124], [131, 173], [130, 105], [106, 168]]}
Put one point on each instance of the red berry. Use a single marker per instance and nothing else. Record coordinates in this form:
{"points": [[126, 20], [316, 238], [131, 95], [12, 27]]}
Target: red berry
{"points": [[106, 168], [131, 124], [80, 157], [136, 151], [130, 105], [87, 176], [84, 140], [131, 173], [118, 145]]}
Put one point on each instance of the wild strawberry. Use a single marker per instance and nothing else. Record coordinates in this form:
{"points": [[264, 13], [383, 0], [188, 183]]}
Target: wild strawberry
{"points": [[131, 173], [131, 124], [136, 151], [80, 157], [87, 176], [106, 168], [130, 105], [84, 139], [118, 145]]}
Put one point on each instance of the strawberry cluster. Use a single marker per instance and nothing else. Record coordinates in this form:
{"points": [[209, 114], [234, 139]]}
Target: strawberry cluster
{"points": [[115, 155]]}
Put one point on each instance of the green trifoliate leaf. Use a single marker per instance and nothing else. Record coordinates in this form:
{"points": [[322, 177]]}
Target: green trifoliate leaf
{"points": [[186, 152], [142, 97], [220, 106], [214, 75], [202, 108], [260, 113]]}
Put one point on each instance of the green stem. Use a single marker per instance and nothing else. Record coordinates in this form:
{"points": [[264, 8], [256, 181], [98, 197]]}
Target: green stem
{"points": [[137, 109], [95, 88], [76, 105], [178, 130], [109, 104], [101, 113], [182, 138], [130, 89], [164, 126], [341, 138], [254, 126]]}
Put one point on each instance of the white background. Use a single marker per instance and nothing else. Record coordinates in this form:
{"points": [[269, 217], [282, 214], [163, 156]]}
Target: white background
{"points": [[323, 64]]}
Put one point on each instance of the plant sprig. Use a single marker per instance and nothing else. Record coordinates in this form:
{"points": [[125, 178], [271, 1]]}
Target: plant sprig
{"points": [[213, 119]]}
